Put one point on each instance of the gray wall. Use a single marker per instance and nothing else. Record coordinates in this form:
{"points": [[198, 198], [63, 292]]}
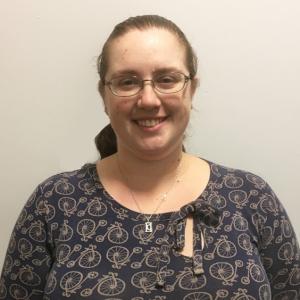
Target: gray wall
{"points": [[246, 110]]}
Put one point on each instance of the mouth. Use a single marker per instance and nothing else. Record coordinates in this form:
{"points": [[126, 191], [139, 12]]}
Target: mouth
{"points": [[150, 122]]}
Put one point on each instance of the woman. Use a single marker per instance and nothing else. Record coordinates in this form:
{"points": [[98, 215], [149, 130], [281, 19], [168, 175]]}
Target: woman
{"points": [[148, 220]]}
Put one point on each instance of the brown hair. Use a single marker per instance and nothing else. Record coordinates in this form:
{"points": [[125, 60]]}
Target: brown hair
{"points": [[106, 142]]}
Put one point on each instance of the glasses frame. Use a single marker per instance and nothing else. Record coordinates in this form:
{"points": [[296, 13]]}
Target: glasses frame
{"points": [[142, 84]]}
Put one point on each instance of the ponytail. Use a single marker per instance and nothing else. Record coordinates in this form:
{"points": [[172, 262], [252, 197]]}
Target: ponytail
{"points": [[106, 141]]}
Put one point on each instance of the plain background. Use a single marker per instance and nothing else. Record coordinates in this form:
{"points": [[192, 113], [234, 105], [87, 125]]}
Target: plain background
{"points": [[245, 112]]}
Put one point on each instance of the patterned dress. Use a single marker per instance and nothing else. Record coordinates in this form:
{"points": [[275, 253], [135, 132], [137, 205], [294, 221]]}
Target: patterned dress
{"points": [[72, 240]]}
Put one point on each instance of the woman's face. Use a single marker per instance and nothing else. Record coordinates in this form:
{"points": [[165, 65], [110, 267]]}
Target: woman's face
{"points": [[149, 124]]}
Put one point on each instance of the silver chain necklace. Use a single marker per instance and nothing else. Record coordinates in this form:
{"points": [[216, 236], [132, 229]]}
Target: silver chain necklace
{"points": [[148, 222]]}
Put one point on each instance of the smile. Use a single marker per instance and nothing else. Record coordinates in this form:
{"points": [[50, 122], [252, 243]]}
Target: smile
{"points": [[150, 122]]}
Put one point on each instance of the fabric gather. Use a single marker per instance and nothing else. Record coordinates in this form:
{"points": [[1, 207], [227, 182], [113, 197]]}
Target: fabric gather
{"points": [[203, 215]]}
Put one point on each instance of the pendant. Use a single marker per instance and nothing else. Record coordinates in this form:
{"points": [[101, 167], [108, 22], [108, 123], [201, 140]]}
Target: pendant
{"points": [[148, 226]]}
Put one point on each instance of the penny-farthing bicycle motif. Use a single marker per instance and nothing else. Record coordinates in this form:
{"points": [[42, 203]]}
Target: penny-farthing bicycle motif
{"points": [[293, 278], [18, 292], [286, 227], [286, 230], [267, 235], [225, 214], [87, 186], [87, 228], [223, 248], [144, 280], [143, 236], [65, 232], [95, 208], [258, 182], [198, 296], [27, 276], [265, 292], [221, 294], [51, 283], [89, 258], [63, 187], [121, 213], [187, 280], [36, 231], [23, 217], [68, 205], [73, 280], [3, 290], [238, 222], [64, 251], [44, 208], [225, 271], [217, 201], [115, 234], [287, 295], [26, 250], [254, 271], [244, 241], [267, 203], [152, 257], [108, 285], [240, 197], [120, 256], [233, 182], [241, 294], [286, 252], [258, 220]]}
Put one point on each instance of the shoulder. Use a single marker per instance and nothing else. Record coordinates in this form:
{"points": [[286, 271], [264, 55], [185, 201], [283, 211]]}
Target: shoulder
{"points": [[235, 178], [87, 173], [65, 185], [246, 193]]}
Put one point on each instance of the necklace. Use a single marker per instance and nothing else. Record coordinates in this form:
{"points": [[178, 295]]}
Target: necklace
{"points": [[162, 198]]}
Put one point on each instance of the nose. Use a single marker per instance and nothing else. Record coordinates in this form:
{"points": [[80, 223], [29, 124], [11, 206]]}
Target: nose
{"points": [[148, 98]]}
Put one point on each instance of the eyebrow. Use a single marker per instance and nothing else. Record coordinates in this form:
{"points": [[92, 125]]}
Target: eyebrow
{"points": [[135, 73]]}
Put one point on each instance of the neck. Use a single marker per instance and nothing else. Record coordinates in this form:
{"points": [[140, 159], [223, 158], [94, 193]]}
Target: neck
{"points": [[149, 174]]}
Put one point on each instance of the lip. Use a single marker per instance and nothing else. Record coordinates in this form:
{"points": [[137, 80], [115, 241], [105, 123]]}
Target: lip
{"points": [[152, 128]]}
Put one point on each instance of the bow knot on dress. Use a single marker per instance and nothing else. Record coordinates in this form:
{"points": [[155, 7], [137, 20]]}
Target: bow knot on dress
{"points": [[203, 214]]}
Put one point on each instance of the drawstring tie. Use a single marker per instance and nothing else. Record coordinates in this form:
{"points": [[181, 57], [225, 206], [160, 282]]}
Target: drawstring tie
{"points": [[203, 214]]}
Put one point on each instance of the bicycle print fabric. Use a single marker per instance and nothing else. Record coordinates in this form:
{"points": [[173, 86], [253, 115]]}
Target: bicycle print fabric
{"points": [[72, 240]]}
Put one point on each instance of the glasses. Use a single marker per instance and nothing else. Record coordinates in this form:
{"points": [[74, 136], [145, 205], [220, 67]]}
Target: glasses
{"points": [[130, 85]]}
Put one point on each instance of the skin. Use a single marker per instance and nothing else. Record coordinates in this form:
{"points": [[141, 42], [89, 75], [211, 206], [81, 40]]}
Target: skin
{"points": [[156, 49], [151, 156]]}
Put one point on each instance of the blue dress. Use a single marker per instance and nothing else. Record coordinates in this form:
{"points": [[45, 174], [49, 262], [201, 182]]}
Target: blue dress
{"points": [[72, 240]]}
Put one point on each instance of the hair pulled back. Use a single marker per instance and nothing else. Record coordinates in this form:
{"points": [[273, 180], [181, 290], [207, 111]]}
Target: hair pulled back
{"points": [[105, 140]]}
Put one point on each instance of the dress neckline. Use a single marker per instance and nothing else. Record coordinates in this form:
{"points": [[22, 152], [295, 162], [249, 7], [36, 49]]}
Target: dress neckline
{"points": [[135, 214]]}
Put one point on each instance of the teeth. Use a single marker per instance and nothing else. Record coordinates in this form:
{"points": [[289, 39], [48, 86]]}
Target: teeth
{"points": [[149, 123]]}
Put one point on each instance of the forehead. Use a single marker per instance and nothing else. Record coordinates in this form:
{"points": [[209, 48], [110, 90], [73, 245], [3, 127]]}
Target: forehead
{"points": [[146, 51]]}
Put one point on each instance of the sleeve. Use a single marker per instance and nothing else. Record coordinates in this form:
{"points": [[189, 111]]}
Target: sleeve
{"points": [[278, 246], [28, 258]]}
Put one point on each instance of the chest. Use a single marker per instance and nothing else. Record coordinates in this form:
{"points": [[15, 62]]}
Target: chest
{"points": [[112, 256]]}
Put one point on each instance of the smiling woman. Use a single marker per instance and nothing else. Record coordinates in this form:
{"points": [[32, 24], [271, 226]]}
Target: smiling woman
{"points": [[148, 220], [149, 119]]}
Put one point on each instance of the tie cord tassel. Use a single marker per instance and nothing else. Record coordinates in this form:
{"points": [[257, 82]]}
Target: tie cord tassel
{"points": [[202, 213]]}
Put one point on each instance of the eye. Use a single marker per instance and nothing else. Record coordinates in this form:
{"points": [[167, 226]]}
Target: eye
{"points": [[168, 80], [126, 83]]}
